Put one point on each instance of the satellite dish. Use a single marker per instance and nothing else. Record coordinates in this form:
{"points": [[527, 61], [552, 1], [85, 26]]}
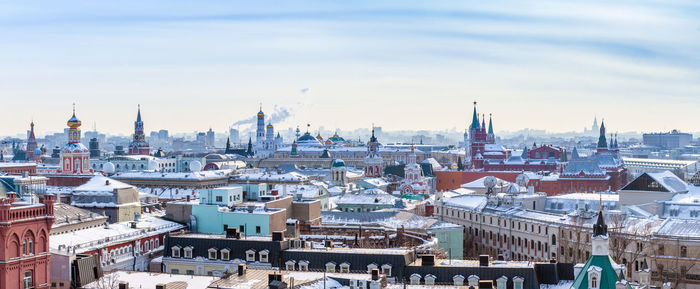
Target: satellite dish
{"points": [[108, 168], [195, 166], [490, 183], [522, 180]]}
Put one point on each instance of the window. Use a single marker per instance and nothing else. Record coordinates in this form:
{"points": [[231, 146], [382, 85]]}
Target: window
{"points": [[28, 281], [370, 267], [518, 282], [430, 279], [225, 254], [24, 247], [501, 282], [345, 267], [190, 272], [290, 265], [212, 253], [303, 265], [219, 199], [257, 229], [415, 279], [594, 282], [386, 269], [474, 281], [264, 255], [175, 271], [188, 252], [458, 280], [250, 255], [330, 267], [684, 251]]}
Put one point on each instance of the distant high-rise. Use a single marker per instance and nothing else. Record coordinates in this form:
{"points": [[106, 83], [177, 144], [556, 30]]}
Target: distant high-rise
{"points": [[234, 135], [94, 148], [210, 138]]}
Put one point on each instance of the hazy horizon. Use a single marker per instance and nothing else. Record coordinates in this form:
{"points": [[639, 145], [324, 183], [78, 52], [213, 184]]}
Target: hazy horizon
{"points": [[545, 65]]}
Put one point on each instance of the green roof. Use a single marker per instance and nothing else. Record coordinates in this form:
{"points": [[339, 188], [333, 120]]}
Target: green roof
{"points": [[608, 276]]}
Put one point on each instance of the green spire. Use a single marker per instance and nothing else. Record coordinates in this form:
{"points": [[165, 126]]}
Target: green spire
{"points": [[475, 118], [602, 142], [490, 125]]}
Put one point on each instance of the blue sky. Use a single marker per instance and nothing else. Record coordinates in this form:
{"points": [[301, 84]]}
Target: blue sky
{"points": [[199, 64]]}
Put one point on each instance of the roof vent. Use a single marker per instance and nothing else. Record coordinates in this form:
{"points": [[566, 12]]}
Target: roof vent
{"points": [[106, 182]]}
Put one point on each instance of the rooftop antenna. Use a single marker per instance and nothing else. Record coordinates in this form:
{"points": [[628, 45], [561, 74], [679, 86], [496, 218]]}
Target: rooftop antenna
{"points": [[600, 195]]}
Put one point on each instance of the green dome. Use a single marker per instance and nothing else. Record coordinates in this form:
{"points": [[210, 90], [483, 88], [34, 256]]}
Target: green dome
{"points": [[338, 163]]}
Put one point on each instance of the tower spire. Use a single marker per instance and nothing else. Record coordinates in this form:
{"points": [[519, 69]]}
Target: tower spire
{"points": [[490, 125], [602, 142], [475, 118]]}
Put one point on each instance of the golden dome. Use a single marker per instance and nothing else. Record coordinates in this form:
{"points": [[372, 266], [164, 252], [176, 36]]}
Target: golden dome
{"points": [[74, 123]]}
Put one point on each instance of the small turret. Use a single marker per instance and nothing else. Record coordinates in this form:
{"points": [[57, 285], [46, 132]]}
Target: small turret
{"points": [[602, 142]]}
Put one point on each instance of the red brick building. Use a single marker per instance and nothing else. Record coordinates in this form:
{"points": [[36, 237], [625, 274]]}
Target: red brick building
{"points": [[18, 168], [24, 231]]}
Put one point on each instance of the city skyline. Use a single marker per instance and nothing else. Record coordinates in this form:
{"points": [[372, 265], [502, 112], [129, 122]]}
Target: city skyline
{"points": [[399, 65]]}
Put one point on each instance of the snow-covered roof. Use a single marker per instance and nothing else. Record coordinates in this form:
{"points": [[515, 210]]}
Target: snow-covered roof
{"points": [[100, 183], [150, 280], [201, 175], [669, 181], [291, 176], [307, 191], [370, 196], [100, 237], [469, 202]]}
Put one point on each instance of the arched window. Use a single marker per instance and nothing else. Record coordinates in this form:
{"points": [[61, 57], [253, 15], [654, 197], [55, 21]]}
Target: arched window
{"points": [[24, 247], [594, 282]]}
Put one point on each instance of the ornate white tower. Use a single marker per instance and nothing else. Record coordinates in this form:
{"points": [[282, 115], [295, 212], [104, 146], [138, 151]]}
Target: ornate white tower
{"points": [[260, 132]]}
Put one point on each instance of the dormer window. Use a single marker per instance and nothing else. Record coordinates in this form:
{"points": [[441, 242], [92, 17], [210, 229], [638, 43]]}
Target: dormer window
{"points": [[330, 267], [212, 253], [264, 256], [474, 281], [290, 265], [501, 282], [345, 267], [370, 267], [518, 282], [250, 255], [415, 279], [386, 269], [458, 280], [594, 273], [188, 252], [175, 252], [430, 279], [303, 265], [225, 254]]}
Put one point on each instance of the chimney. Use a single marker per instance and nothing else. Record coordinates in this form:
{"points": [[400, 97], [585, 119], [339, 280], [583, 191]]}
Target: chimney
{"points": [[274, 277], [232, 233], [428, 260], [160, 286], [375, 274], [106, 182], [188, 198], [123, 285], [241, 269], [485, 284], [483, 262]]}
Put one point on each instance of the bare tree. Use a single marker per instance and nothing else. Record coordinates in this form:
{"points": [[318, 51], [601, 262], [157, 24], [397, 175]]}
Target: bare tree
{"points": [[108, 281]]}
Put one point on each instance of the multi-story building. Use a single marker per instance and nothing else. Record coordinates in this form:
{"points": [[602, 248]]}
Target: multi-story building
{"points": [[24, 257], [667, 140]]}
